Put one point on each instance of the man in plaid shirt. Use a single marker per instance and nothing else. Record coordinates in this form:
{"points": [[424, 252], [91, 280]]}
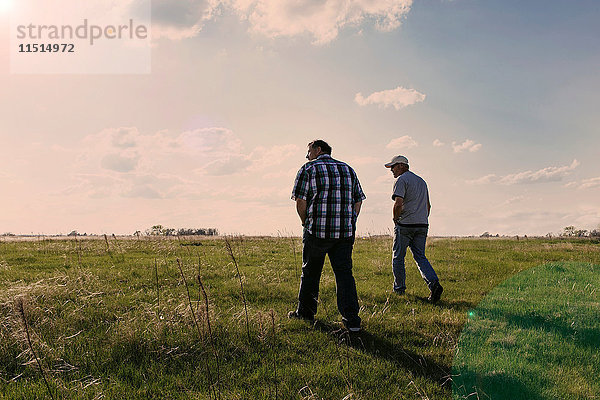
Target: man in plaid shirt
{"points": [[328, 200]]}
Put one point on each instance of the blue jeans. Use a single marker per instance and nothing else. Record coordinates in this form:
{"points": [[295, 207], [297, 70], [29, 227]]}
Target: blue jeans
{"points": [[340, 255], [413, 237]]}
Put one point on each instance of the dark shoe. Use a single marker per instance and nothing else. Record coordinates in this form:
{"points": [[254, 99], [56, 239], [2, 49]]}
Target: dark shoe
{"points": [[351, 328], [399, 292], [436, 292], [295, 315]]}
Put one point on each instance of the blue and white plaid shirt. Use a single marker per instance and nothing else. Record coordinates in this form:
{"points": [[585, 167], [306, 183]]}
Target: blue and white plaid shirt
{"points": [[330, 188]]}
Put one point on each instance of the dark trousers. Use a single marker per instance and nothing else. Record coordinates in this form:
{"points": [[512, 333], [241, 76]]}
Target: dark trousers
{"points": [[340, 255]]}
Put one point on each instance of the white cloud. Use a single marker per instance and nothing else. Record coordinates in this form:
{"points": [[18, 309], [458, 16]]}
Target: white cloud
{"points": [[119, 162], [467, 145], [491, 178], [142, 191], [438, 143], [398, 98], [266, 158], [548, 174], [225, 166], [210, 140], [129, 185], [319, 20], [123, 137], [589, 183], [126, 149], [260, 159], [404, 142], [181, 19], [322, 20], [123, 162], [513, 200], [97, 186]]}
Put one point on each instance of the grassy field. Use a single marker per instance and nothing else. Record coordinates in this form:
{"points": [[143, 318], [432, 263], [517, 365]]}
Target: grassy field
{"points": [[115, 319], [535, 336]]}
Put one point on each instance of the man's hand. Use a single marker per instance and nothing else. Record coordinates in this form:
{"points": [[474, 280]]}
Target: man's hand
{"points": [[301, 209], [398, 207], [357, 206]]}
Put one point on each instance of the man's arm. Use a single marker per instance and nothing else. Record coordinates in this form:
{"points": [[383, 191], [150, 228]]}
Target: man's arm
{"points": [[398, 206], [301, 209], [428, 207], [357, 206]]}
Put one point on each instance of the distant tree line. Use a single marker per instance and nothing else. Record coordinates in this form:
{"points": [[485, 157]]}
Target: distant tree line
{"points": [[488, 235], [156, 230], [571, 231], [159, 230]]}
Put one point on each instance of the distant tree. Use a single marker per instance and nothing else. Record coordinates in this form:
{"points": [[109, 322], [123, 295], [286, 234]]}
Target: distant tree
{"points": [[485, 234], [569, 231], [156, 230], [73, 233], [185, 232], [159, 230], [197, 231]]}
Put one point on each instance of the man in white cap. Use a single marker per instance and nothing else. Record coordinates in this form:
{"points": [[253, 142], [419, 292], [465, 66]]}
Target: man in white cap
{"points": [[411, 223]]}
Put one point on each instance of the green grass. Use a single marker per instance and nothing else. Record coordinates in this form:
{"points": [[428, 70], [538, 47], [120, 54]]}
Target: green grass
{"points": [[535, 336], [99, 331]]}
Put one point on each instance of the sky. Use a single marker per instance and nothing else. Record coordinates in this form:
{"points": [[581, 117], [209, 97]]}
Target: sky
{"points": [[495, 104]]}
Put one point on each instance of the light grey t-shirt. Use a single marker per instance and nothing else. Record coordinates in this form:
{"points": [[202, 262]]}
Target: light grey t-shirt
{"points": [[413, 189]]}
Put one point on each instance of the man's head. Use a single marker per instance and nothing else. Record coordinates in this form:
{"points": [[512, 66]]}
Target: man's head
{"points": [[316, 148], [398, 165]]}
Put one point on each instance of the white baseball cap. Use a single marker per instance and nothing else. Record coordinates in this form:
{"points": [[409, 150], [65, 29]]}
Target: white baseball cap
{"points": [[397, 160]]}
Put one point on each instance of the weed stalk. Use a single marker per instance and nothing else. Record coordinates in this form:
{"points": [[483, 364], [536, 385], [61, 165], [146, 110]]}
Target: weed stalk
{"points": [[199, 293], [107, 244], [21, 308], [348, 344], [78, 245], [200, 333], [210, 335], [294, 251], [157, 289], [274, 355], [205, 306], [230, 250], [187, 288]]}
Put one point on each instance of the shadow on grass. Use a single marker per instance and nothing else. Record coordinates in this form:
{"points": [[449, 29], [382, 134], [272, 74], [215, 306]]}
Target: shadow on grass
{"points": [[383, 348], [566, 328], [499, 386], [458, 305]]}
